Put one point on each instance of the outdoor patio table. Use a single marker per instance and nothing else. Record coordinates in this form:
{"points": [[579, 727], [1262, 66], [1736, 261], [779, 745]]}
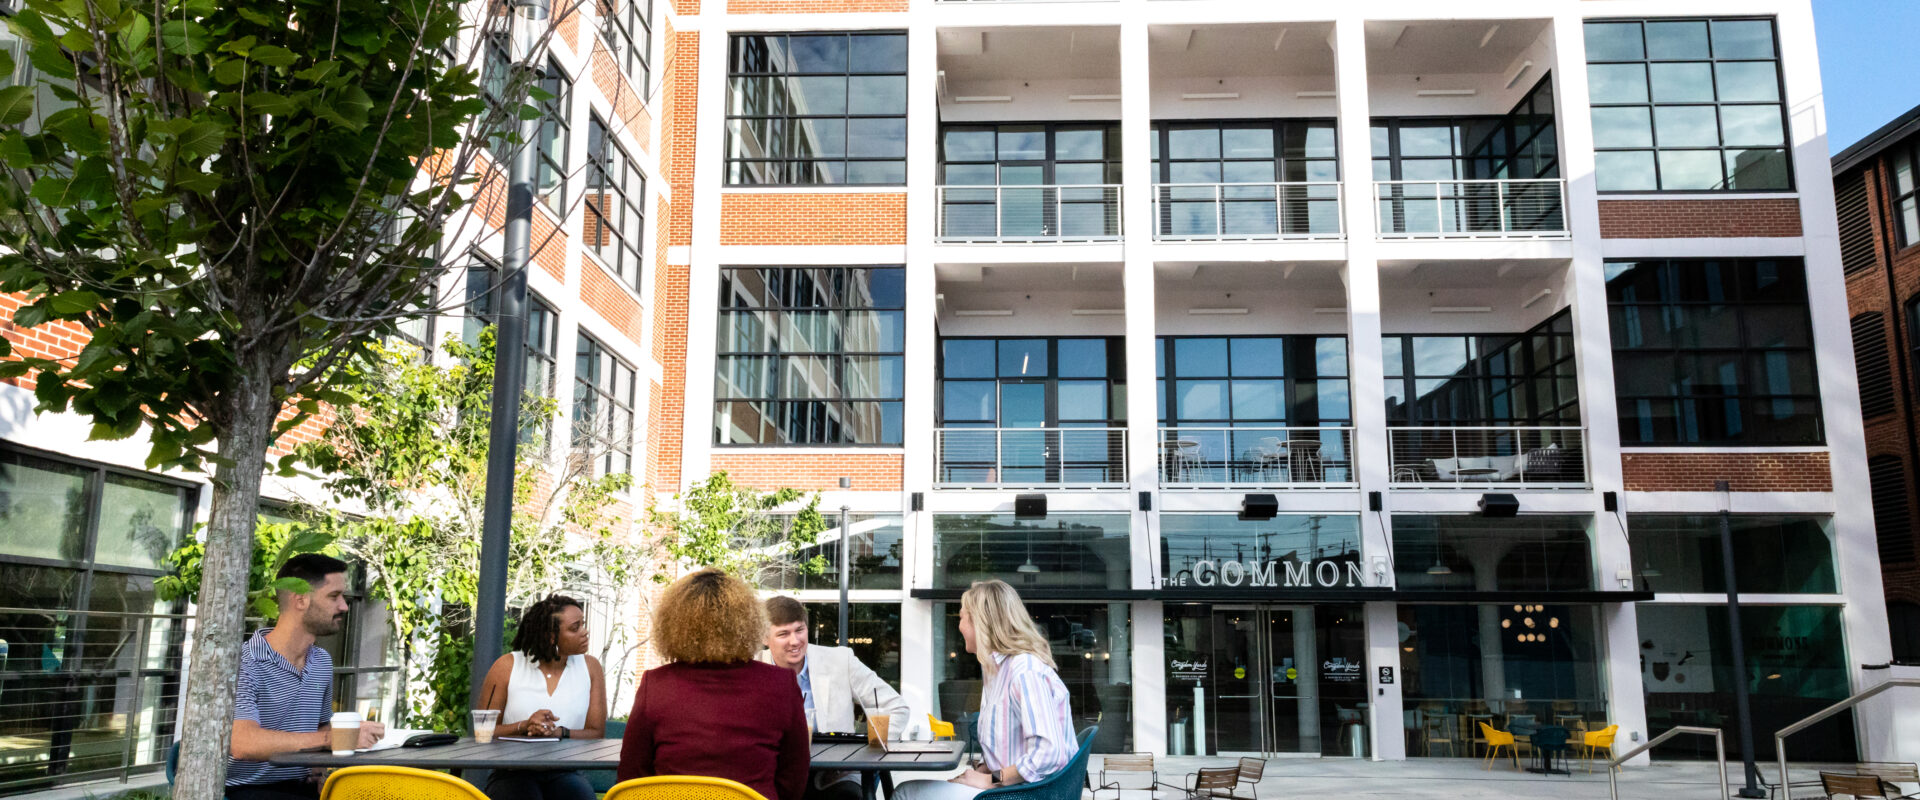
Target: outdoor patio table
{"points": [[872, 763]]}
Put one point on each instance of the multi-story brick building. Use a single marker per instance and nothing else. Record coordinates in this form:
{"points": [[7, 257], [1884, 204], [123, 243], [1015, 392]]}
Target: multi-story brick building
{"points": [[1455, 319], [1879, 227]]}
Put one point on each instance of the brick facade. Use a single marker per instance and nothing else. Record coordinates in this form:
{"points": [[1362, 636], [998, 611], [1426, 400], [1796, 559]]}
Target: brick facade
{"points": [[1747, 472], [633, 114], [1699, 219], [611, 301], [814, 6], [871, 472], [837, 218]]}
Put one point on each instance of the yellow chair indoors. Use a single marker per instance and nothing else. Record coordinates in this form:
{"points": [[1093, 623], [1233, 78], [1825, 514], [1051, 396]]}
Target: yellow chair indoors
{"points": [[395, 783], [941, 730], [681, 787], [1495, 741], [1595, 741]]}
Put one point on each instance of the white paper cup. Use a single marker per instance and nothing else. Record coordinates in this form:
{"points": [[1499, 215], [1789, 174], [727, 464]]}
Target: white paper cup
{"points": [[346, 733]]}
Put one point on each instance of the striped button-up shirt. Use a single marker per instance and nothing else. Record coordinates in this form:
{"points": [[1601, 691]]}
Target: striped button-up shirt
{"points": [[1024, 719], [271, 692]]}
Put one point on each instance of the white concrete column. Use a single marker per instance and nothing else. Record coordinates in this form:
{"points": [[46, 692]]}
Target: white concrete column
{"points": [[1136, 130], [703, 280], [1586, 288], [917, 657], [1366, 387]]}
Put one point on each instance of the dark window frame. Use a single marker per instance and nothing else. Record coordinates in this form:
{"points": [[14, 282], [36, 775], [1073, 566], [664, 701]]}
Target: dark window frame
{"points": [[1909, 153], [619, 20], [543, 334], [783, 157], [595, 365], [1115, 377], [832, 429], [611, 201], [1526, 375], [1298, 351], [1779, 74]]}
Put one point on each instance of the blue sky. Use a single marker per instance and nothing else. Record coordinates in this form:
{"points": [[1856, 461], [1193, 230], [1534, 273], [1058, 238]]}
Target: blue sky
{"points": [[1869, 64]]}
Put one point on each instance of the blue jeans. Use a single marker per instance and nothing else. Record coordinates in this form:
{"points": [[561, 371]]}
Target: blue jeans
{"points": [[520, 784]]}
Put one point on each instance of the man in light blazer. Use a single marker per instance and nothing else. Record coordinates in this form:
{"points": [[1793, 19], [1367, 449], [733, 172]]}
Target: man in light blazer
{"points": [[832, 682]]}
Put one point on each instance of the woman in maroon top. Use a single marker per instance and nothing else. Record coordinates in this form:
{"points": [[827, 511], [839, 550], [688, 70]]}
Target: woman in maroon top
{"points": [[713, 710]]}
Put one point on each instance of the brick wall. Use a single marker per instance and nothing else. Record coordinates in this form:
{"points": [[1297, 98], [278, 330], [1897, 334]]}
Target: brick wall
{"points": [[56, 340], [666, 413], [1748, 472], [567, 27], [1688, 219], [608, 299], [627, 104], [813, 6], [547, 242], [804, 219], [680, 93], [870, 472]]}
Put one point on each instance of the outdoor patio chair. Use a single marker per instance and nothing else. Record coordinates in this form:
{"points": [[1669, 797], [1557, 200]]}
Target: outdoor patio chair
{"points": [[1063, 785], [1891, 775], [603, 780], [680, 787], [1212, 782], [1836, 784], [1135, 764], [1251, 769], [1593, 742], [1496, 740], [395, 783]]}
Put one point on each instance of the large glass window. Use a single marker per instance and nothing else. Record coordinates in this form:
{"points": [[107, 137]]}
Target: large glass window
{"points": [[1266, 678], [1520, 144], [1488, 379], [817, 108], [874, 546], [1032, 409], [1796, 665], [1772, 555], [1092, 650], [616, 205], [1204, 164], [1713, 352], [1687, 105], [1233, 398], [93, 658], [1462, 552], [874, 635], [550, 180], [810, 355], [543, 328], [1063, 551], [1905, 188], [1463, 666], [603, 398], [1081, 158], [626, 27], [1195, 549]]}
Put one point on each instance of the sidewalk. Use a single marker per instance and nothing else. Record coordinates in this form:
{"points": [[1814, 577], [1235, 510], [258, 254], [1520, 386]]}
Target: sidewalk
{"points": [[1419, 778]]}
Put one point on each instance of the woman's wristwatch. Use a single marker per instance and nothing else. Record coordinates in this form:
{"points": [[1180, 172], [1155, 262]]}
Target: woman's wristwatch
{"points": [[564, 733]]}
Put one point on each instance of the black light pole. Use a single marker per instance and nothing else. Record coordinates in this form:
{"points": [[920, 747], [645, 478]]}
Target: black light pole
{"points": [[509, 373], [846, 552], [1742, 706]]}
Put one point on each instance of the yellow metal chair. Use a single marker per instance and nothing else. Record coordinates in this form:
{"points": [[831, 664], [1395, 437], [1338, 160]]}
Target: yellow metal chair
{"points": [[1495, 741], [395, 783], [1595, 741], [681, 787], [941, 730]]}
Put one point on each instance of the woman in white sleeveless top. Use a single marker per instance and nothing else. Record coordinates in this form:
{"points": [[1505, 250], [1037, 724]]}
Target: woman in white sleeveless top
{"points": [[547, 687]]}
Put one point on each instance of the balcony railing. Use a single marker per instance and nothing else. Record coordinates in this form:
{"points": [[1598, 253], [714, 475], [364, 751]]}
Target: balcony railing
{"points": [[1030, 457], [1246, 211], [1480, 209], [1489, 457], [1079, 213], [1317, 458]]}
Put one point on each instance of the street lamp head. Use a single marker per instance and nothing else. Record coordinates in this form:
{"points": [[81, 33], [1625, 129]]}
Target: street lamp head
{"points": [[529, 9]]}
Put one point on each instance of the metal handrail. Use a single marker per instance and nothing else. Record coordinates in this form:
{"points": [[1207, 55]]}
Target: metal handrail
{"points": [[1292, 203], [1719, 751], [1780, 736], [1413, 451], [1278, 456], [1054, 455], [1479, 208], [1048, 201]]}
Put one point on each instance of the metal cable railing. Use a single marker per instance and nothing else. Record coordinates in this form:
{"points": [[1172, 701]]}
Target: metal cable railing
{"points": [[89, 694], [1265, 457], [1030, 457], [1247, 211], [1078, 213], [1485, 456], [1472, 209]]}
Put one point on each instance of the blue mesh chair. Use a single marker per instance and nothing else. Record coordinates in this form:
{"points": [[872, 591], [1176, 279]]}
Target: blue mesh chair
{"points": [[603, 779], [173, 762], [1063, 785]]}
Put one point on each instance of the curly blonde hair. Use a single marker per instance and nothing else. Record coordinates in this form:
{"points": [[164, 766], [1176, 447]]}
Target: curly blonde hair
{"points": [[709, 617], [1002, 625]]}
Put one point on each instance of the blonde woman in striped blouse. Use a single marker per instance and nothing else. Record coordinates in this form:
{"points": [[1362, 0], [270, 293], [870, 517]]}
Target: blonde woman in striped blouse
{"points": [[1026, 729]]}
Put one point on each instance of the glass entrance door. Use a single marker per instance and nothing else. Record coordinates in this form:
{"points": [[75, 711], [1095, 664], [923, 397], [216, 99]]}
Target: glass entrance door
{"points": [[1287, 680]]}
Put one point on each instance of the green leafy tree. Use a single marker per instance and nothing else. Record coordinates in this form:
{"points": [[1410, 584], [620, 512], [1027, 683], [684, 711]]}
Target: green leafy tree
{"points": [[273, 544], [739, 529], [412, 450], [233, 198]]}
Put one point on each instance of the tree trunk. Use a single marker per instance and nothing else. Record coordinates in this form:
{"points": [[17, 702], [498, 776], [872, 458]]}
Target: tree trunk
{"points": [[206, 729]]}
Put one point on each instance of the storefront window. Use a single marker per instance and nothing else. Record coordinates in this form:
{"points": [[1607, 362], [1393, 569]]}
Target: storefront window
{"points": [[875, 547], [1502, 665], [1534, 552], [1796, 665], [1772, 555], [875, 634], [1266, 679], [1092, 649], [1063, 551], [1205, 550]]}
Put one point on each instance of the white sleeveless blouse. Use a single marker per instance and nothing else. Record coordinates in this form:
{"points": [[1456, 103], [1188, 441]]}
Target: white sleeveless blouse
{"points": [[527, 692]]}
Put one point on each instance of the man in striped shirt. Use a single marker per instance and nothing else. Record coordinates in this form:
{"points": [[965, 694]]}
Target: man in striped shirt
{"points": [[284, 698]]}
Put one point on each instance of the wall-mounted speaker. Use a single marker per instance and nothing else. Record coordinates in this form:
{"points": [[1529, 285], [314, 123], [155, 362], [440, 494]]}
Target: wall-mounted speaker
{"points": [[1146, 501], [1499, 505], [1030, 506], [919, 501], [1259, 507], [1610, 501], [1376, 501]]}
